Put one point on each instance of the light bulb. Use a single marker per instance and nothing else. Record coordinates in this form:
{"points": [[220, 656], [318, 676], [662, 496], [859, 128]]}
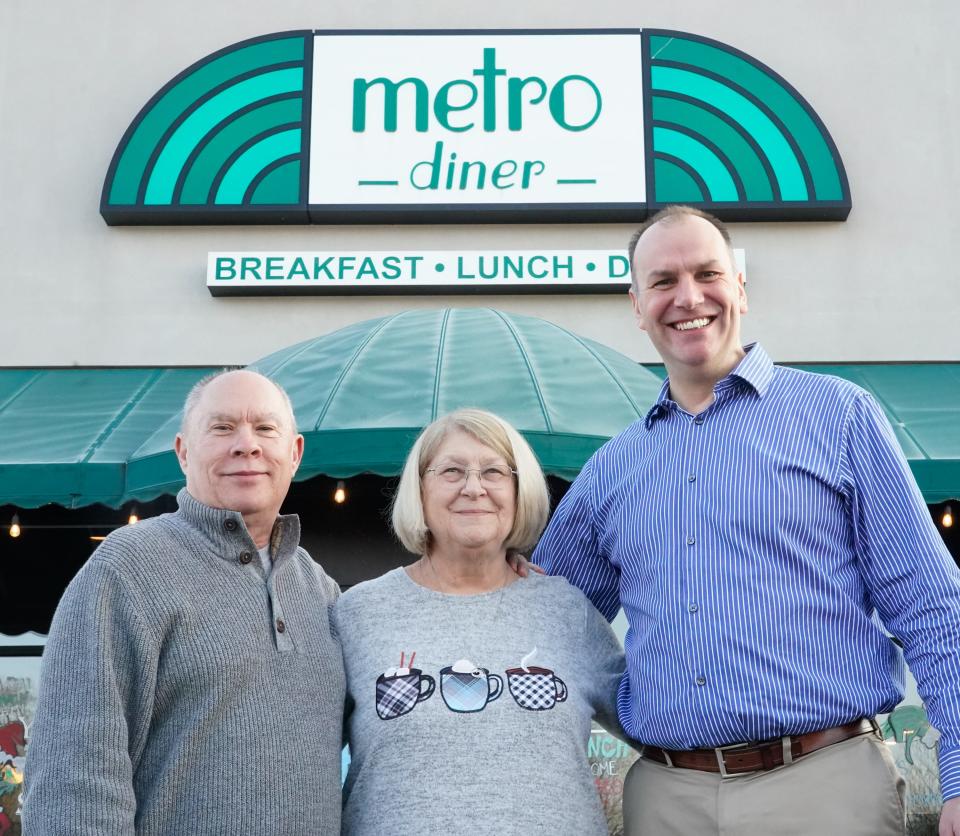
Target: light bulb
{"points": [[947, 519], [15, 526], [133, 519], [340, 494]]}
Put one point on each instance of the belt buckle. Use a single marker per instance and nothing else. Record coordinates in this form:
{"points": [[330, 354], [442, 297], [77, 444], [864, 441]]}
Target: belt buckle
{"points": [[719, 752]]}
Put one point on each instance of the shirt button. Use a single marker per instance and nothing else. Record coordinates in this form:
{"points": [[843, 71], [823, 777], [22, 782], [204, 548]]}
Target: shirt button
{"points": [[693, 607], [698, 419], [691, 540], [281, 627], [701, 681], [230, 524], [245, 557], [691, 478]]}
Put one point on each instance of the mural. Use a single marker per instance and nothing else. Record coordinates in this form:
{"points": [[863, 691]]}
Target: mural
{"points": [[610, 760], [19, 679], [914, 744]]}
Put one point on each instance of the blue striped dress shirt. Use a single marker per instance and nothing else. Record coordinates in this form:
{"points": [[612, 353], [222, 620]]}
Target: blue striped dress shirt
{"points": [[756, 548]]}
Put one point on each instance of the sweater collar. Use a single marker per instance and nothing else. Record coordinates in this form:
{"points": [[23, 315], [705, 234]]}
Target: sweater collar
{"points": [[226, 534]]}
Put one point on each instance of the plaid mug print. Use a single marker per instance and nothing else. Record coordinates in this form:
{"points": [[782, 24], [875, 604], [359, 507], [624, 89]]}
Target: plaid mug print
{"points": [[535, 689], [397, 695]]}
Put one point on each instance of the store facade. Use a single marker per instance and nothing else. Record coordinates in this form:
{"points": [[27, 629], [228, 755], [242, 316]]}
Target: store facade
{"points": [[198, 186]]}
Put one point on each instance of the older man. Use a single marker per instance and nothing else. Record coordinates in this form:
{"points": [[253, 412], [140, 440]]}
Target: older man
{"points": [[753, 526], [190, 683]]}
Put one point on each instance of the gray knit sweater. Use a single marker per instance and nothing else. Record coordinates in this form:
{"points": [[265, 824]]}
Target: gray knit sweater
{"points": [[480, 734], [184, 691]]}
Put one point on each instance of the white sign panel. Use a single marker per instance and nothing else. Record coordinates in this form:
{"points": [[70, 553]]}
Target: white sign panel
{"points": [[435, 272], [476, 119]]}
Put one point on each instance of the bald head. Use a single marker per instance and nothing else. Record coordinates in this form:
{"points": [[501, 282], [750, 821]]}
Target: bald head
{"points": [[196, 393]]}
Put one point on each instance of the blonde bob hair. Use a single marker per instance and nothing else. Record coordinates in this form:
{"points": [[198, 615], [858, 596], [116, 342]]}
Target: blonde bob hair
{"points": [[533, 500]]}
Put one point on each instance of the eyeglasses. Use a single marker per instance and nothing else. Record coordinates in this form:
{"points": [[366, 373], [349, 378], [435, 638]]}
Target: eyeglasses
{"points": [[492, 476]]}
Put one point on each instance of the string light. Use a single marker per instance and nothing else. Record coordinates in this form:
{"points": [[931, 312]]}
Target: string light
{"points": [[133, 519], [947, 519], [340, 494], [15, 526]]}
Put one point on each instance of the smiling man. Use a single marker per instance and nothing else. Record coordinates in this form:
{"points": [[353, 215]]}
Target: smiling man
{"points": [[753, 526], [190, 683]]}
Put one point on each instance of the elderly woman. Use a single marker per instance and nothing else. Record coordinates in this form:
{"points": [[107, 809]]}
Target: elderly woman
{"points": [[470, 690]]}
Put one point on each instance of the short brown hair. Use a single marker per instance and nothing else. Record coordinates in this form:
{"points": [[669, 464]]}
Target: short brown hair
{"points": [[670, 214]]}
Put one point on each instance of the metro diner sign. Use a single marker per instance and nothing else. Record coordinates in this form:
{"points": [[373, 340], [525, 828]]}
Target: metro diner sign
{"points": [[513, 126]]}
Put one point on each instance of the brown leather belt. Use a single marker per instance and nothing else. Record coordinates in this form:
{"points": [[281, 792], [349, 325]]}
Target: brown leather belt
{"points": [[757, 757]]}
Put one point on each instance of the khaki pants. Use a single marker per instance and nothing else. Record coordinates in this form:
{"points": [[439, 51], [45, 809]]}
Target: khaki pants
{"points": [[852, 787]]}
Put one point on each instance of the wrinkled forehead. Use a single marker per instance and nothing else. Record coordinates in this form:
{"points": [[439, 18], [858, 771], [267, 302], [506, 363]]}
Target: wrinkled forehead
{"points": [[676, 243], [242, 398]]}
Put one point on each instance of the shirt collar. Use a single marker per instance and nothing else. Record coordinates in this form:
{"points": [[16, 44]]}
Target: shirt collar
{"points": [[755, 370]]}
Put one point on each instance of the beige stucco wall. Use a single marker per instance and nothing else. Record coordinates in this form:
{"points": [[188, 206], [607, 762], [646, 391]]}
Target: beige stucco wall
{"points": [[882, 286]]}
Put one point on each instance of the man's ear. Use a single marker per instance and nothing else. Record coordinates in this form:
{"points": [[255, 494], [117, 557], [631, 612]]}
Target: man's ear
{"points": [[180, 448], [297, 452], [742, 293], [637, 310]]}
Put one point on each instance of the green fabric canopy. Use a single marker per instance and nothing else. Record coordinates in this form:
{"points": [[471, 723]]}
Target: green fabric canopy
{"points": [[922, 401], [361, 394], [66, 434]]}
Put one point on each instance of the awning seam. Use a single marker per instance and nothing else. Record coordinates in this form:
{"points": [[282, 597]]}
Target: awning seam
{"points": [[345, 370], [441, 346], [122, 413], [534, 382]]}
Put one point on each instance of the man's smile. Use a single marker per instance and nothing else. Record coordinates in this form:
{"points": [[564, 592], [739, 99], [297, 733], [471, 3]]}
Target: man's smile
{"points": [[691, 324]]}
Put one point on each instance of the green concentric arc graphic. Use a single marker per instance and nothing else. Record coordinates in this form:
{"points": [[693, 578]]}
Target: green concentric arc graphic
{"points": [[227, 133], [717, 116], [228, 141]]}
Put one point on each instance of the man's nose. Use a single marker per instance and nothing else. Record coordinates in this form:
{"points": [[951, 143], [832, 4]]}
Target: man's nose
{"points": [[688, 293], [245, 441]]}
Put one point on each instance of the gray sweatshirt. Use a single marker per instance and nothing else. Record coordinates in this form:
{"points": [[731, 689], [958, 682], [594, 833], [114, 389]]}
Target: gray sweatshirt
{"points": [[184, 692], [485, 731]]}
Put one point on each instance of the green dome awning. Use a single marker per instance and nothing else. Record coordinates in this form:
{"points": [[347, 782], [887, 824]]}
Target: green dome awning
{"points": [[363, 393]]}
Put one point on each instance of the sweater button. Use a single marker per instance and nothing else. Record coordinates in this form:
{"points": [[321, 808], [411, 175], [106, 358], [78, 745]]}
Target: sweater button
{"points": [[245, 557], [230, 524], [281, 627]]}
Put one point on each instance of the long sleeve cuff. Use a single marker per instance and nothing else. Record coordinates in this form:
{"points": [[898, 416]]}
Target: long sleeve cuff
{"points": [[948, 753]]}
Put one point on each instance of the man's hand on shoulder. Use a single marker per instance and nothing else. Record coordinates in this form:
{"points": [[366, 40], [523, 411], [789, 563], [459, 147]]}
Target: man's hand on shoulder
{"points": [[522, 566], [950, 817]]}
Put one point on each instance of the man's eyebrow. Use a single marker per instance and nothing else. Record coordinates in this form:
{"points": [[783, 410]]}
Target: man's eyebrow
{"points": [[266, 416], [666, 273]]}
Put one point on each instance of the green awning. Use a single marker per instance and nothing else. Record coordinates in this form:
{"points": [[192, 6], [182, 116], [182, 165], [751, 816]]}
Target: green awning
{"points": [[922, 401], [66, 434], [362, 393]]}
